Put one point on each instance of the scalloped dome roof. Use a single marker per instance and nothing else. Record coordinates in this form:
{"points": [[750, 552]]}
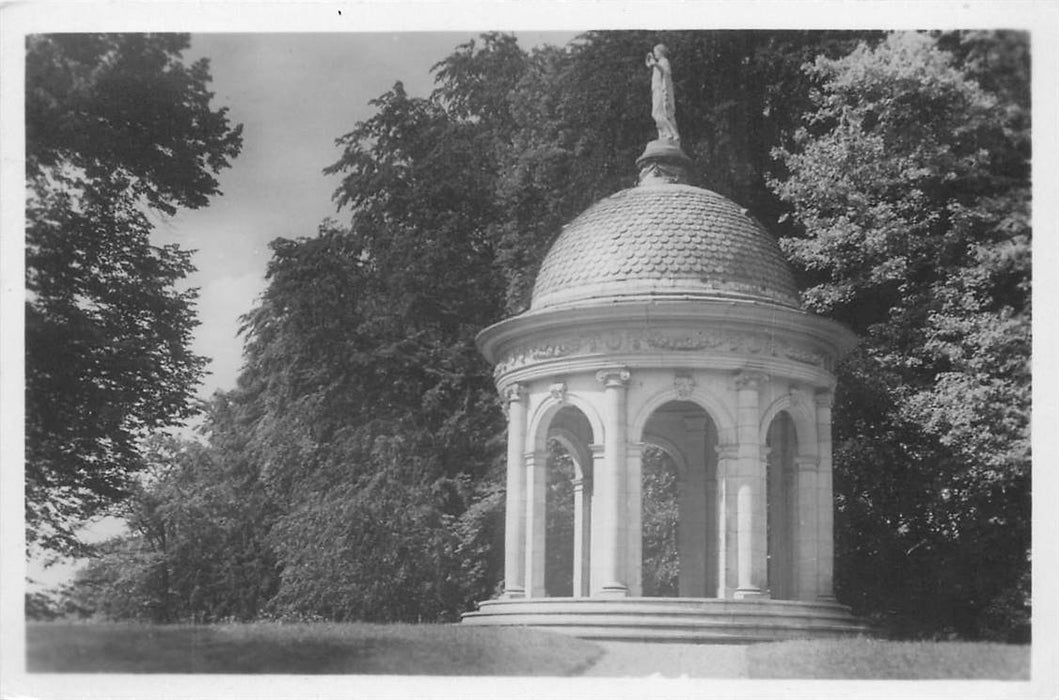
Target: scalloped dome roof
{"points": [[664, 241]]}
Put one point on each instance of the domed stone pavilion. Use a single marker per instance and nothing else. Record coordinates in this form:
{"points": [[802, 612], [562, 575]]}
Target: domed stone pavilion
{"points": [[665, 317]]}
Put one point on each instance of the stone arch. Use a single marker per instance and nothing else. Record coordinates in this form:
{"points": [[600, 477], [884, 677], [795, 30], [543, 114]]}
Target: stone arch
{"points": [[687, 431], [714, 408], [554, 419], [541, 420], [802, 414]]}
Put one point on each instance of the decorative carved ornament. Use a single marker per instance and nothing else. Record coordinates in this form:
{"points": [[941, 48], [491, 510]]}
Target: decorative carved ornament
{"points": [[514, 392], [799, 397], [558, 391], [634, 341], [618, 376], [684, 384], [750, 380]]}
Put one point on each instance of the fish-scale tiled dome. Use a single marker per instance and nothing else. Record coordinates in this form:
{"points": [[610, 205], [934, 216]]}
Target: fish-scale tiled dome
{"points": [[663, 241]]}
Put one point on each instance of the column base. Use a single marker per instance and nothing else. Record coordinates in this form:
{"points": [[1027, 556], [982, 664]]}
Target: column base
{"points": [[827, 598], [613, 590], [510, 593], [751, 593]]}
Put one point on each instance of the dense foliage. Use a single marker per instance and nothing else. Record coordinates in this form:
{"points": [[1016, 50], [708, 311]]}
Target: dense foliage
{"points": [[661, 524], [912, 182], [117, 130], [360, 456]]}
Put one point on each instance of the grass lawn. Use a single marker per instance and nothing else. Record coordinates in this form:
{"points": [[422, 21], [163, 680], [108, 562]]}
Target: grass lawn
{"points": [[303, 649], [877, 659]]}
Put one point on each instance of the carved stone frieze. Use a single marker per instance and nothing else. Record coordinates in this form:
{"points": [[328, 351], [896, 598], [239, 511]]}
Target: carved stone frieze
{"points": [[634, 341]]}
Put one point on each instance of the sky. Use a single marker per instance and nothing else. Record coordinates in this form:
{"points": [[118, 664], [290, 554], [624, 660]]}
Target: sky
{"points": [[294, 94]]}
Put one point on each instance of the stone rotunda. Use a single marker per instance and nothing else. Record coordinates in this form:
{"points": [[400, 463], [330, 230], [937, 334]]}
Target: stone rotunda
{"points": [[666, 318]]}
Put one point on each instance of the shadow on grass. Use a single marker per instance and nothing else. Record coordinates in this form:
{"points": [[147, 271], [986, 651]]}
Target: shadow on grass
{"points": [[304, 649], [876, 659]]}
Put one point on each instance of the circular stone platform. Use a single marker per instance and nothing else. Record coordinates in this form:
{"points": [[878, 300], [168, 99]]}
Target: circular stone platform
{"points": [[715, 620]]}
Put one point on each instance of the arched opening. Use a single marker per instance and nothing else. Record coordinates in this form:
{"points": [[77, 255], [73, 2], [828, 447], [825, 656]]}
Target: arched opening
{"points": [[559, 523], [679, 554], [568, 499], [660, 523], [782, 442]]}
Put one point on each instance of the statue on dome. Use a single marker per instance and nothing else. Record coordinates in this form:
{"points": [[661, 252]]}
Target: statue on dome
{"points": [[663, 101]]}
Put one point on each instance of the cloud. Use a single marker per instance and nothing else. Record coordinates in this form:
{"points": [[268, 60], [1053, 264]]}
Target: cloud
{"points": [[222, 301]]}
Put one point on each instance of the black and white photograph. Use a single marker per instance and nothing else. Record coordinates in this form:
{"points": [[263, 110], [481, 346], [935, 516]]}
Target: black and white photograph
{"points": [[527, 349]]}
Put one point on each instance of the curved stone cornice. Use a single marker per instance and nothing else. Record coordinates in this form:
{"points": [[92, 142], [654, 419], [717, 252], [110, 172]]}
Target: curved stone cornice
{"points": [[685, 332]]}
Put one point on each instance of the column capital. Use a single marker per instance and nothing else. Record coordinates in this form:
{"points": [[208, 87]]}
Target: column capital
{"points": [[513, 393], [806, 463], [614, 377], [750, 380], [727, 451], [825, 398], [531, 457], [597, 449]]}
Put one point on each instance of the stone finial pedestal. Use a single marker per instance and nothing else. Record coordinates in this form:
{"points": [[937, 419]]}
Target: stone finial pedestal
{"points": [[663, 161]]}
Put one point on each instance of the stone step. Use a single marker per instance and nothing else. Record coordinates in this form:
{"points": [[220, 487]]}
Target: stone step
{"points": [[675, 619]]}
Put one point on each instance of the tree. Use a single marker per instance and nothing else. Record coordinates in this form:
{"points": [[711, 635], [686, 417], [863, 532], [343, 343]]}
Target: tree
{"points": [[374, 417], [117, 130], [197, 545], [912, 183]]}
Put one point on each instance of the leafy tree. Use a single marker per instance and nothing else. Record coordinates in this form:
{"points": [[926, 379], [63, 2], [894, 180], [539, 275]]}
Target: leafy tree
{"points": [[559, 523], [117, 130], [911, 180], [661, 522], [196, 549], [373, 416]]}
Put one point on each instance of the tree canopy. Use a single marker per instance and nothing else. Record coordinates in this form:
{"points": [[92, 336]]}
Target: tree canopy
{"points": [[117, 129], [361, 452], [912, 183]]}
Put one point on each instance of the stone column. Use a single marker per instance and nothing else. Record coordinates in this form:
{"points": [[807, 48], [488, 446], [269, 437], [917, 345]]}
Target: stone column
{"points": [[596, 535], [825, 507], [749, 488], [536, 503], [634, 518], [805, 554], [611, 485], [727, 575], [515, 511], [582, 546]]}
